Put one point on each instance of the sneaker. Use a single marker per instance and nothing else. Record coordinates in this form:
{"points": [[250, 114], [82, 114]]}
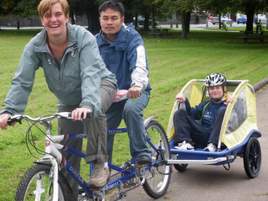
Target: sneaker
{"points": [[184, 146], [210, 147], [100, 176]]}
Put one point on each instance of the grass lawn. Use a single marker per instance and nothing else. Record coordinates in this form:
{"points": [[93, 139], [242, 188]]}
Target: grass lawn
{"points": [[172, 63]]}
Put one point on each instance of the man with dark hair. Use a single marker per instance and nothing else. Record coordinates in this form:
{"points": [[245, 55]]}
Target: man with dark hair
{"points": [[114, 5], [123, 52]]}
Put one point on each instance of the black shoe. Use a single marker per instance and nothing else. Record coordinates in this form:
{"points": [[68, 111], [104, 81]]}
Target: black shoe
{"points": [[143, 160], [142, 165]]}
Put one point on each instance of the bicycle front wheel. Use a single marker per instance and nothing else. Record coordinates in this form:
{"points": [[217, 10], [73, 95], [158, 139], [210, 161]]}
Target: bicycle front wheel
{"points": [[157, 185], [37, 185]]}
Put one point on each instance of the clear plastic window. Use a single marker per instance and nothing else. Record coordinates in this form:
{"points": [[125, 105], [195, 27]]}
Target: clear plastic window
{"points": [[239, 113]]}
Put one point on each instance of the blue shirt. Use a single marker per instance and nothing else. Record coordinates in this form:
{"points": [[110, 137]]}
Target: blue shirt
{"points": [[206, 112], [125, 57]]}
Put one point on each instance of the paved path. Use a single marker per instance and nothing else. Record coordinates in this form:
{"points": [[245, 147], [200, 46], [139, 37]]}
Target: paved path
{"points": [[212, 183]]}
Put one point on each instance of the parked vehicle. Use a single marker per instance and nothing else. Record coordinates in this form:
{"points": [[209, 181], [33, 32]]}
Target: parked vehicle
{"points": [[215, 19], [242, 19], [226, 19], [141, 21], [260, 18]]}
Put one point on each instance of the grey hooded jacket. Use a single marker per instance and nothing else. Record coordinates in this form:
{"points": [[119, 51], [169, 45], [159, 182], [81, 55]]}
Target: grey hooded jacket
{"points": [[75, 80]]}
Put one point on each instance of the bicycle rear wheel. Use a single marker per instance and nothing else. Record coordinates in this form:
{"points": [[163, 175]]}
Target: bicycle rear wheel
{"points": [[157, 185], [252, 158], [37, 184]]}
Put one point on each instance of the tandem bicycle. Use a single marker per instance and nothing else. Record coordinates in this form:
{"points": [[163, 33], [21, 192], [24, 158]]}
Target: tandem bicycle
{"points": [[44, 181]]}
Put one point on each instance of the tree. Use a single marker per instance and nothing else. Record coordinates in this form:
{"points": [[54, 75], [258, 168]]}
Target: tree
{"points": [[6, 6], [216, 7], [90, 9], [148, 11], [251, 7], [25, 8], [19, 8], [184, 7], [135, 8]]}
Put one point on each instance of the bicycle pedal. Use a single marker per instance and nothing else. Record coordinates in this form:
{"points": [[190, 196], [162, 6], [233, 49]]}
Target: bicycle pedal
{"points": [[140, 171], [97, 190], [131, 183], [98, 195], [127, 165], [146, 173], [83, 198], [112, 195]]}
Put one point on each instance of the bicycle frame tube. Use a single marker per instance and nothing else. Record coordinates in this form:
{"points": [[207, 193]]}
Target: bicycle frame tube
{"points": [[117, 131], [69, 168], [70, 171], [49, 159], [54, 157], [52, 146], [55, 180], [126, 175]]}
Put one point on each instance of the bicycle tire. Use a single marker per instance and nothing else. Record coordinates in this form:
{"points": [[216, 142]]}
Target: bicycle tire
{"points": [[252, 158], [181, 167], [37, 182], [157, 185]]}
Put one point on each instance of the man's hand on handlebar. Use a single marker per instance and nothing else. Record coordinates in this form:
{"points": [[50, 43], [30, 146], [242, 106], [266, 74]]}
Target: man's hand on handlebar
{"points": [[134, 92], [123, 94], [3, 120], [120, 95], [80, 113]]}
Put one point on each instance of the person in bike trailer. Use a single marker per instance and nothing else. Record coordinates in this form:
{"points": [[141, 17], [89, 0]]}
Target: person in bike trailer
{"points": [[200, 126], [76, 74], [122, 49]]}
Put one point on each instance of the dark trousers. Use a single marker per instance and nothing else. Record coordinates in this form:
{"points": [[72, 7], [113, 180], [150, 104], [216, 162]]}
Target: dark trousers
{"points": [[95, 128], [191, 130]]}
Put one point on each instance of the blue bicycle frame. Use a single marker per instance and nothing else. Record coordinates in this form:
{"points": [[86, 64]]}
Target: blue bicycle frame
{"points": [[125, 174]]}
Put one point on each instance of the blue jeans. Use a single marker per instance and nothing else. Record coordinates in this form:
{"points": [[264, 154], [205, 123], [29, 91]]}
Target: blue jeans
{"points": [[131, 111]]}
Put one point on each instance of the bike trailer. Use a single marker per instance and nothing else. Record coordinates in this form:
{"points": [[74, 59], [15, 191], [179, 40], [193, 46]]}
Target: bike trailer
{"points": [[239, 132]]}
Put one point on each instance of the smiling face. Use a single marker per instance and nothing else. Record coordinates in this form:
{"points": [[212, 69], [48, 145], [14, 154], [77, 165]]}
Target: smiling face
{"points": [[111, 22], [54, 21], [216, 92]]}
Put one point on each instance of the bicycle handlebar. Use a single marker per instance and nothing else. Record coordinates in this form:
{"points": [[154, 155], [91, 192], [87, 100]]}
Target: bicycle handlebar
{"points": [[19, 117]]}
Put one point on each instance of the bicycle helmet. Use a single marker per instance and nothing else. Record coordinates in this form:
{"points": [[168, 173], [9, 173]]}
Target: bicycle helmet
{"points": [[215, 79]]}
